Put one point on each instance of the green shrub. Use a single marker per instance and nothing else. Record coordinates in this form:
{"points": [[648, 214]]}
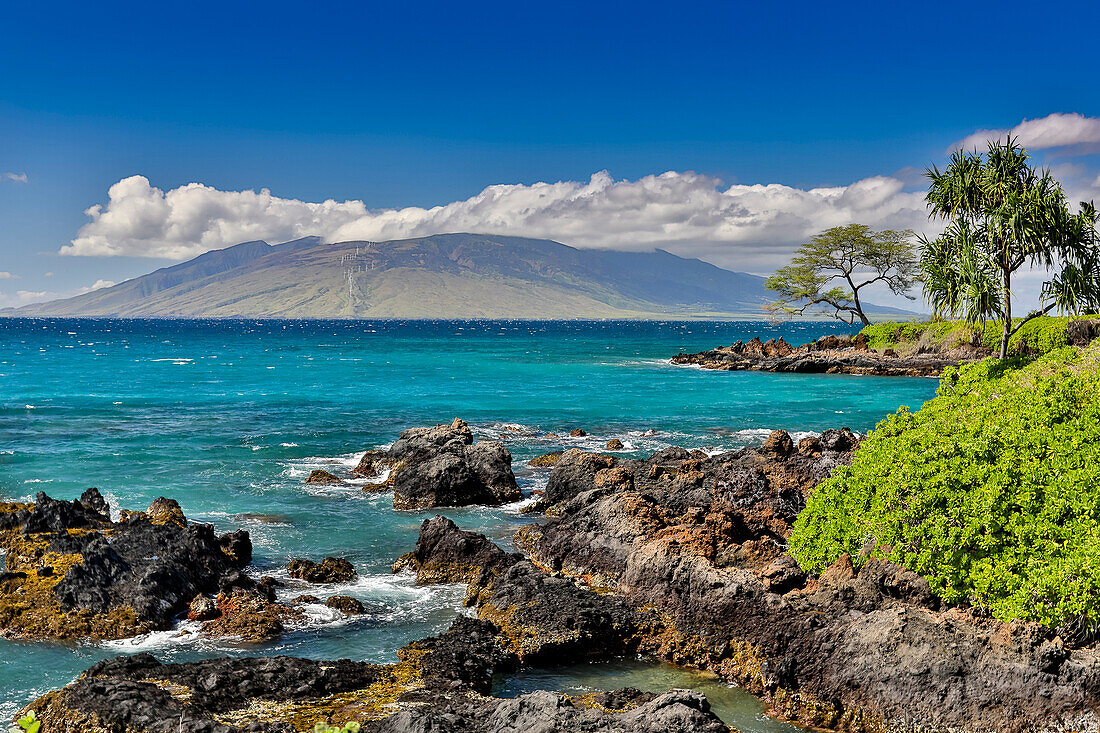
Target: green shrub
{"points": [[991, 490], [351, 727], [1038, 336], [29, 723]]}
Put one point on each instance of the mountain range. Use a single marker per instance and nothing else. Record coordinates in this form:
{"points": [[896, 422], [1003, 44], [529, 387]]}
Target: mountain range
{"points": [[441, 276]]}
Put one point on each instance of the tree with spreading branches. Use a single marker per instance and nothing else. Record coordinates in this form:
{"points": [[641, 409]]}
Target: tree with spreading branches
{"points": [[1002, 215], [828, 272]]}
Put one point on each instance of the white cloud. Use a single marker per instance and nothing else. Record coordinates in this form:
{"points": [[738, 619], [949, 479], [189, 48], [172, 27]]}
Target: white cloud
{"points": [[746, 226], [97, 285], [15, 177], [8, 276], [1053, 131]]}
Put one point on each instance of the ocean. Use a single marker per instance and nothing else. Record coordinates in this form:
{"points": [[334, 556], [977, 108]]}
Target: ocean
{"points": [[228, 417]]}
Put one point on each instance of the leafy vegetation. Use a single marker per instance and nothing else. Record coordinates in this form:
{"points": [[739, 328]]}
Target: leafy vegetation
{"points": [[351, 727], [991, 491], [1034, 337], [1002, 215], [853, 257], [29, 723]]}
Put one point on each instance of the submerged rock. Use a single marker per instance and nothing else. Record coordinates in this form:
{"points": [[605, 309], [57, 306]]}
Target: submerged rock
{"points": [[346, 604], [546, 460], [319, 476]]}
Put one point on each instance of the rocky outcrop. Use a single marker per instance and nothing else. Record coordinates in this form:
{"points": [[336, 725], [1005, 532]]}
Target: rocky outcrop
{"points": [[108, 579], [439, 685], [446, 554], [829, 355], [329, 570], [443, 466], [701, 543]]}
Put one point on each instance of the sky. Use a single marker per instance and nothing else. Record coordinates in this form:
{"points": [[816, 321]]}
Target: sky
{"points": [[135, 135]]}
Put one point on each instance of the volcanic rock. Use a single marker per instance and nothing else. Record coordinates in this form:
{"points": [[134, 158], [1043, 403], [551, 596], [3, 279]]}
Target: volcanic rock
{"points": [[329, 570]]}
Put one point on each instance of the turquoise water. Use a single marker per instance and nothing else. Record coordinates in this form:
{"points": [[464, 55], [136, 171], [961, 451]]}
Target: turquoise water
{"points": [[228, 417]]}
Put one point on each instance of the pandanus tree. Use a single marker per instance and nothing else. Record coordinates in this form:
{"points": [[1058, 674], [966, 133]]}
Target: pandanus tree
{"points": [[1002, 215]]}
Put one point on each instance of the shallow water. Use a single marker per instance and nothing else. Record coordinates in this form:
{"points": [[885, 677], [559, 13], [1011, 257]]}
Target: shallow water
{"points": [[734, 706], [228, 417]]}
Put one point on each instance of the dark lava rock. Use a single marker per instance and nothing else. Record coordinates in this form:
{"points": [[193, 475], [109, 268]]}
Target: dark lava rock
{"points": [[442, 466], [329, 570], [346, 604], [102, 579], [827, 355], [446, 554], [139, 693], [306, 598], [318, 476], [702, 542]]}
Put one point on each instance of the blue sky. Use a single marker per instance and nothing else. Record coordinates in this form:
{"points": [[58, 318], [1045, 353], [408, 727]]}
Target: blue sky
{"points": [[415, 105]]}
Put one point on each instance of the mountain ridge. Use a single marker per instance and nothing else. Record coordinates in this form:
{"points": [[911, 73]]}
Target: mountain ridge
{"points": [[441, 276]]}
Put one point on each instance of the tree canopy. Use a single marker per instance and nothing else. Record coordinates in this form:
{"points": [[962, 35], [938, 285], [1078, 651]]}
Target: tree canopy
{"points": [[1003, 214], [829, 271]]}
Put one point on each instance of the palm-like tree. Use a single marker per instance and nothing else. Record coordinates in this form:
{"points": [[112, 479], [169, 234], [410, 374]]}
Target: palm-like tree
{"points": [[1003, 214]]}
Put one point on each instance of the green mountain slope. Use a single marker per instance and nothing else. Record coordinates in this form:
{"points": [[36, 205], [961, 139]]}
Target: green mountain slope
{"points": [[443, 276]]}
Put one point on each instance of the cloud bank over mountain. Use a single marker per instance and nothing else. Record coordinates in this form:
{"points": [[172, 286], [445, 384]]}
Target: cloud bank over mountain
{"points": [[743, 225], [746, 227]]}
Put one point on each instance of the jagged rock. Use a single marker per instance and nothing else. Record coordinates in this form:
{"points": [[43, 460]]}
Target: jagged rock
{"points": [[577, 433], [166, 511], [446, 554], [827, 355], [319, 476], [442, 466], [346, 604], [329, 570], [202, 608], [614, 444], [249, 615], [139, 693], [106, 579]]}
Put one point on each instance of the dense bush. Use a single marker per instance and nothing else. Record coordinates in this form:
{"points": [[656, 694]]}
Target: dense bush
{"points": [[991, 490], [1038, 336]]}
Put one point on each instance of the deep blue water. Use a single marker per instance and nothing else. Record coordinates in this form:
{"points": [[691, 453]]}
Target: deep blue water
{"points": [[228, 417]]}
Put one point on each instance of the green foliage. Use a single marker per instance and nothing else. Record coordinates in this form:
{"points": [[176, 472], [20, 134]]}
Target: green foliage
{"points": [[351, 727], [29, 723], [836, 264], [991, 490], [1035, 336]]}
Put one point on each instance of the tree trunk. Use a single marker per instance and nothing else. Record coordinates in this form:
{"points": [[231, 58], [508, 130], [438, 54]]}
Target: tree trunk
{"points": [[1006, 330], [859, 306]]}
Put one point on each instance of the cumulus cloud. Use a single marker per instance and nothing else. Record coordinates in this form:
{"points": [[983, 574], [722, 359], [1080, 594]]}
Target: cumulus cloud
{"points": [[1053, 131], [97, 285], [15, 177], [689, 213], [7, 276]]}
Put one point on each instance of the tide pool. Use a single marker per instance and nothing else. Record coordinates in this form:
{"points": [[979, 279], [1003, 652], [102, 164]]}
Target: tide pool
{"points": [[229, 417]]}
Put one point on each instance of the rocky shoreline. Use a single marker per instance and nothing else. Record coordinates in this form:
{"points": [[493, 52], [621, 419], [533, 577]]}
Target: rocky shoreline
{"points": [[680, 556], [830, 355]]}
